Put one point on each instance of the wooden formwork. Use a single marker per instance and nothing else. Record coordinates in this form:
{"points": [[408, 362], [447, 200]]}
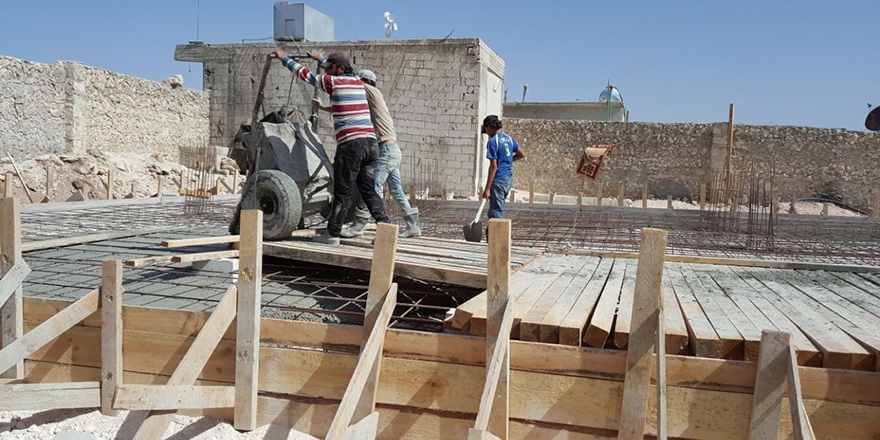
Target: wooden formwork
{"points": [[324, 379]]}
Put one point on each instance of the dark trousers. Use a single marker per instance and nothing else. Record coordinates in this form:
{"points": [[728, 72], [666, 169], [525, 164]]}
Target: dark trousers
{"points": [[355, 165]]}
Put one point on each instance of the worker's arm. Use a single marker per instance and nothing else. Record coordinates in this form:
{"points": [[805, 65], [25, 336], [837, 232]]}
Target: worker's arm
{"points": [[490, 177], [323, 82], [519, 154]]}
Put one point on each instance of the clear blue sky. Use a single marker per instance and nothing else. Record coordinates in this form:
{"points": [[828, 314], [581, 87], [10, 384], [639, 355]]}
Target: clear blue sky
{"points": [[810, 63]]}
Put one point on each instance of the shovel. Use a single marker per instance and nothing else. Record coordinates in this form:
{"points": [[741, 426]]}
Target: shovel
{"points": [[474, 230]]}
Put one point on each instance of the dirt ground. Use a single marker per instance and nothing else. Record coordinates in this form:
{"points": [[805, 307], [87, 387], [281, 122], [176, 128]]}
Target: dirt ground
{"points": [[73, 424]]}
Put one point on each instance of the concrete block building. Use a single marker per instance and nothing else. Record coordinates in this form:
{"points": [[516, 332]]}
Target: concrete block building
{"points": [[438, 92]]}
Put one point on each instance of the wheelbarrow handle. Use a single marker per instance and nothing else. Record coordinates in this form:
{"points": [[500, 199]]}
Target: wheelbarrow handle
{"points": [[480, 211]]}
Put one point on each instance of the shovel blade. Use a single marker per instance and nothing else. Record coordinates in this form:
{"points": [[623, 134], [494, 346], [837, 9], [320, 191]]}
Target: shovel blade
{"points": [[473, 232]]}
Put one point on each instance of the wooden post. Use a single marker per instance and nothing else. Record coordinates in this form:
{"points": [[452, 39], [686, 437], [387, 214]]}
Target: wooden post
{"points": [[580, 201], [110, 184], [702, 197], [11, 313], [7, 185], [49, 183], [669, 201], [620, 192], [235, 182], [160, 186], [769, 385], [824, 208], [111, 333], [801, 427], [381, 277], [646, 311], [497, 280], [532, 192], [875, 205], [512, 195], [412, 193], [645, 196], [599, 193], [250, 276], [552, 198]]}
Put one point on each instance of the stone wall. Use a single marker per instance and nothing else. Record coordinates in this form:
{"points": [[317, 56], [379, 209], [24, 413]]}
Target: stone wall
{"points": [[435, 89], [674, 159], [68, 107]]}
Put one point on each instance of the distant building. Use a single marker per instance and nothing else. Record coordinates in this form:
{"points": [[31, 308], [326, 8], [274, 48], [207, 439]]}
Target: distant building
{"points": [[578, 111]]}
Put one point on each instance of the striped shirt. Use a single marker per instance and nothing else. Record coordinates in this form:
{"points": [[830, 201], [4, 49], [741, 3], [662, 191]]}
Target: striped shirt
{"points": [[348, 102]]}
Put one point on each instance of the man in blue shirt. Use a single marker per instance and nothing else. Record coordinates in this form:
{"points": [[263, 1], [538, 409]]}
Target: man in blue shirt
{"points": [[501, 150]]}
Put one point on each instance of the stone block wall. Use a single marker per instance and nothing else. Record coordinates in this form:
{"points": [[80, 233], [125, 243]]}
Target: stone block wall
{"points": [[435, 90], [674, 159], [68, 107]]}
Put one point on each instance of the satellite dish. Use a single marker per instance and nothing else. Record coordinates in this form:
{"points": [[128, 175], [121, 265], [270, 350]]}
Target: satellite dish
{"points": [[872, 122], [390, 25]]}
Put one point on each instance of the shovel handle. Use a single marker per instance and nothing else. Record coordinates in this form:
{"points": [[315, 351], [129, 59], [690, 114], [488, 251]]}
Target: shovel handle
{"points": [[480, 211]]}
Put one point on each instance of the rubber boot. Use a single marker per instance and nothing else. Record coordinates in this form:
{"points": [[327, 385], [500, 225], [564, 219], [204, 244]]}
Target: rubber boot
{"points": [[326, 238], [361, 218], [411, 218]]}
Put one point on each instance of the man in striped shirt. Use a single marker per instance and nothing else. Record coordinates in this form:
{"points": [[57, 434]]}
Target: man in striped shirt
{"points": [[357, 150]]}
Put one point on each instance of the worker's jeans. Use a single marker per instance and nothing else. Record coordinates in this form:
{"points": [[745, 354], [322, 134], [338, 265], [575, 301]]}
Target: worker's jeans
{"points": [[500, 189], [355, 165], [388, 170]]}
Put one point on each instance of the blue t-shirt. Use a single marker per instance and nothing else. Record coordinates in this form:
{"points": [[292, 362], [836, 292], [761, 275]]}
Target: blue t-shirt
{"points": [[501, 148]]}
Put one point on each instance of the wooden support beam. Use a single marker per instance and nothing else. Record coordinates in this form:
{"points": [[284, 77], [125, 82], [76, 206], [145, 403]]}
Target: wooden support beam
{"points": [[381, 277], [769, 385], [173, 397], [600, 190], [89, 238], [204, 256], [875, 204], [620, 193], [12, 279], [194, 361], [532, 192], [250, 277], [160, 186], [494, 410], [200, 241], [370, 358], [512, 195], [645, 196], [580, 202], [552, 198], [49, 183], [799, 420], [24, 186], [702, 197], [49, 396], [111, 333], [7, 185], [646, 310], [669, 201], [476, 434], [222, 181], [110, 184], [11, 308], [15, 352]]}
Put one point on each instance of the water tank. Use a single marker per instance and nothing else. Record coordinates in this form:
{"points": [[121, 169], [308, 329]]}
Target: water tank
{"points": [[299, 21], [615, 94]]}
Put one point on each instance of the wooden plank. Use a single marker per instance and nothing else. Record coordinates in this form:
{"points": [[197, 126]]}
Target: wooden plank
{"points": [[250, 278], [193, 362], [45, 397], [494, 404], [173, 397], [204, 256], [366, 429], [148, 261], [458, 276], [571, 329], [599, 328], [764, 315], [476, 434], [11, 322], [371, 353], [164, 351], [89, 238], [378, 296], [675, 328], [751, 334], [773, 362], [732, 343], [838, 349], [623, 323], [702, 337], [14, 353], [646, 309], [530, 325], [548, 330], [859, 291], [200, 241], [12, 279], [111, 333], [799, 419]]}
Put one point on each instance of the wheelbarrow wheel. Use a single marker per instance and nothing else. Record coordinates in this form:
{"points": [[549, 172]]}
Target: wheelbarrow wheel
{"points": [[278, 196]]}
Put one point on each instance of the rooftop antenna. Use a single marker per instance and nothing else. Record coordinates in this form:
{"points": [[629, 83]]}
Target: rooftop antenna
{"points": [[525, 91], [390, 25]]}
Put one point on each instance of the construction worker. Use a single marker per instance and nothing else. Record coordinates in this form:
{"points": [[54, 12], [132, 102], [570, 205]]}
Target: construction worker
{"points": [[501, 150], [357, 151], [389, 163]]}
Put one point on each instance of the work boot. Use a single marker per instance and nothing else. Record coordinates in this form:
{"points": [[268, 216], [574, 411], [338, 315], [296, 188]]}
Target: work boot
{"points": [[361, 218], [326, 238], [411, 218]]}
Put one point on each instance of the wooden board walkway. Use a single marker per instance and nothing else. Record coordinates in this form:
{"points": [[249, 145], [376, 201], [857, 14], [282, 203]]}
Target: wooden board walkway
{"points": [[714, 311]]}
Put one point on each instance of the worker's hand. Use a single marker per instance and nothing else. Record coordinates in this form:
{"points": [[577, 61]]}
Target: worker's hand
{"points": [[280, 54], [316, 55], [487, 193]]}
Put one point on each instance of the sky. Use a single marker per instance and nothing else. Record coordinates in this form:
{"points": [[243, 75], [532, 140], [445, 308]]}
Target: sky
{"points": [[782, 62]]}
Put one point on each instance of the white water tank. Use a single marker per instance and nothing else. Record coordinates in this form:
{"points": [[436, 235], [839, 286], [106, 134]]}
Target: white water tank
{"points": [[299, 22]]}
